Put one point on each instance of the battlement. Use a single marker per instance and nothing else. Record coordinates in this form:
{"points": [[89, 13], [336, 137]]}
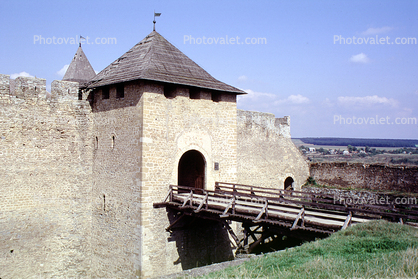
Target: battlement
{"points": [[35, 88], [283, 124], [266, 122]]}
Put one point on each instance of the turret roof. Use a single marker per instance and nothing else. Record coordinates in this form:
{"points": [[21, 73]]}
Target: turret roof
{"points": [[154, 58], [80, 69]]}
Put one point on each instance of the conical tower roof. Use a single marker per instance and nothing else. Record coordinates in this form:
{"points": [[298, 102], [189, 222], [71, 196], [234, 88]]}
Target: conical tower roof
{"points": [[154, 58], [80, 69]]}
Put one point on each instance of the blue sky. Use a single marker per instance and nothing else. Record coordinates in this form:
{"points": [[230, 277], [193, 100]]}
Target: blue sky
{"points": [[306, 64]]}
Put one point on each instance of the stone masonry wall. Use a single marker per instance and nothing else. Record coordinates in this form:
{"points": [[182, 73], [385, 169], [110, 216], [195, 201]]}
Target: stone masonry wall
{"points": [[151, 134], [116, 193], [266, 154], [45, 174], [373, 177], [79, 179], [173, 126]]}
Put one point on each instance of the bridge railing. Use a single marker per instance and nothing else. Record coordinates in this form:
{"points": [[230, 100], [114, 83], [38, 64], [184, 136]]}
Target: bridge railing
{"points": [[227, 195], [389, 208]]}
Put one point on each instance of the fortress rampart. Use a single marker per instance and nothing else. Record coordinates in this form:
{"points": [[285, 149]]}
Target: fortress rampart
{"points": [[266, 154], [371, 177], [45, 150], [79, 177]]}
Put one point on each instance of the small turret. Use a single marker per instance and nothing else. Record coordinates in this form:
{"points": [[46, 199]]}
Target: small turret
{"points": [[80, 69]]}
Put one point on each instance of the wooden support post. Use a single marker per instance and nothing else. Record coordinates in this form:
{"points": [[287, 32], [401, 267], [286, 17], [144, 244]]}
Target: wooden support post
{"points": [[263, 210], [347, 221], [251, 232], [189, 198], [169, 195], [300, 215], [175, 222], [232, 234], [203, 202], [230, 204]]}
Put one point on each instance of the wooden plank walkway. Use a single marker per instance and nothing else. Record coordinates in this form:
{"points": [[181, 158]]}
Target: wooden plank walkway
{"points": [[291, 210]]}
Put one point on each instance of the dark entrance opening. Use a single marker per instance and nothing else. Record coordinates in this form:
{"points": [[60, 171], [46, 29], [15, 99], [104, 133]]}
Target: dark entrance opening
{"points": [[288, 183], [191, 171]]}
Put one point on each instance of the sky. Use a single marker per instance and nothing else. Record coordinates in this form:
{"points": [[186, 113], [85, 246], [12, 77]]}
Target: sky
{"points": [[337, 68]]}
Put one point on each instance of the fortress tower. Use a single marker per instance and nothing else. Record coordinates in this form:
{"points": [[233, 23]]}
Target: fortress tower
{"points": [[81, 171], [159, 119]]}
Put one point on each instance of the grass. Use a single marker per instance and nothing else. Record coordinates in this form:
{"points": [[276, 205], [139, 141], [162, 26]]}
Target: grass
{"points": [[376, 249]]}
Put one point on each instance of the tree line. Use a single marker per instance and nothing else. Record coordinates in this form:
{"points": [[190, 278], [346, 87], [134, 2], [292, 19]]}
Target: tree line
{"points": [[361, 142]]}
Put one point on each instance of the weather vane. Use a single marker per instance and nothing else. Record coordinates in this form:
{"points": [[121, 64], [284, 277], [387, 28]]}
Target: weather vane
{"points": [[155, 14], [81, 38]]}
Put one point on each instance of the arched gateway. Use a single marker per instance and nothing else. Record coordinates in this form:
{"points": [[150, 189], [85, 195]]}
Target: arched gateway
{"points": [[288, 183], [191, 169]]}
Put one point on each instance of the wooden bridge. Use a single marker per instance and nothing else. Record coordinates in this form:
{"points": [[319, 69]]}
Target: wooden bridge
{"points": [[267, 213]]}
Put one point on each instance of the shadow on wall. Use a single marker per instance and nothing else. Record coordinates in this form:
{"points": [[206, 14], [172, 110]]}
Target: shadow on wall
{"points": [[199, 242]]}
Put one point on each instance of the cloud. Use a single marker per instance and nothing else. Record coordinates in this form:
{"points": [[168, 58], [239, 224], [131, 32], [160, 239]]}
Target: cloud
{"points": [[243, 78], [254, 100], [21, 74], [360, 58], [255, 96], [297, 99], [367, 101], [375, 31], [327, 103], [294, 100], [268, 102], [269, 97], [61, 72]]}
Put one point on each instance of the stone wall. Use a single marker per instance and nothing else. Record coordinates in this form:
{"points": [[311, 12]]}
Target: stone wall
{"points": [[173, 126], [151, 133], [266, 154], [116, 197], [45, 174], [79, 179], [373, 177]]}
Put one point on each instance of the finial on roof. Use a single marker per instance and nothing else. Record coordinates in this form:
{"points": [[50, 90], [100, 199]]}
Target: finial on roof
{"points": [[155, 14], [81, 37]]}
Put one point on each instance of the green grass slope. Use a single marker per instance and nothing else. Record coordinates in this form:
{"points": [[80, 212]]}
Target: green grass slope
{"points": [[376, 249]]}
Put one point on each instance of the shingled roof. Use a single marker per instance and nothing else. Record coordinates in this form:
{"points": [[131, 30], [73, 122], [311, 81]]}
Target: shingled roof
{"points": [[154, 58], [80, 69]]}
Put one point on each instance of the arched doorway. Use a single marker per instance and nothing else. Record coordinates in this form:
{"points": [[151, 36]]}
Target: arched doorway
{"points": [[191, 170], [288, 183]]}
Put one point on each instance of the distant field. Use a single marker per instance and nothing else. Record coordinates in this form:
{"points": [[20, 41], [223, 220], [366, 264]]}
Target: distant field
{"points": [[386, 158], [298, 143], [339, 142]]}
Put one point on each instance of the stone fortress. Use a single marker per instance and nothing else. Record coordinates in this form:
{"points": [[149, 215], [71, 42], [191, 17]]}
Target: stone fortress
{"points": [[83, 165]]}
